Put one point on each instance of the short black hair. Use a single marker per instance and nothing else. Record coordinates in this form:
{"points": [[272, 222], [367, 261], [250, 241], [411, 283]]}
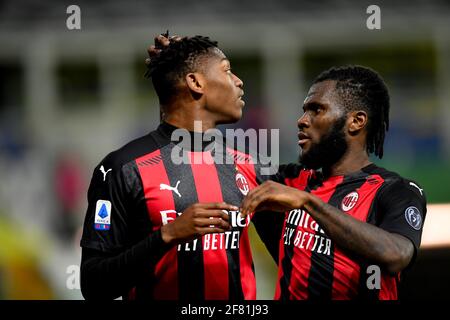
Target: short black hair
{"points": [[176, 60], [361, 88]]}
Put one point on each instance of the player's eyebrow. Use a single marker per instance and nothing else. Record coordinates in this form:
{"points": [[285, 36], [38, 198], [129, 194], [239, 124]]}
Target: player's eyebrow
{"points": [[311, 105], [227, 62]]}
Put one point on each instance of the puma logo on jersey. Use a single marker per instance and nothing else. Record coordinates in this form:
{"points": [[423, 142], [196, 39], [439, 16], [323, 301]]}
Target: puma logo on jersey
{"points": [[163, 186], [102, 169], [415, 185]]}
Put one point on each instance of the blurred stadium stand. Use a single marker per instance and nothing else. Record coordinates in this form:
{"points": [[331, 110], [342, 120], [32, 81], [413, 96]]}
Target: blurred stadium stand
{"points": [[82, 93]]}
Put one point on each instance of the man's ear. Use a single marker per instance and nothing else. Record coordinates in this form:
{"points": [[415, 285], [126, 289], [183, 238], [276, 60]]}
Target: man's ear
{"points": [[357, 121], [195, 82]]}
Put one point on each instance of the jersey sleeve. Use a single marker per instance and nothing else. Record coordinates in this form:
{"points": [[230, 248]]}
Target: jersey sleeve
{"points": [[402, 210], [107, 217]]}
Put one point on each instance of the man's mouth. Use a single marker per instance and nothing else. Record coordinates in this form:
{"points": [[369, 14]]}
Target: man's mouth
{"points": [[240, 97], [303, 138]]}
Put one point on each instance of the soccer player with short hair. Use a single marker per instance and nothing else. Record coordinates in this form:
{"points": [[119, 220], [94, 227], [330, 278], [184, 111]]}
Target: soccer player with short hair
{"points": [[156, 229], [344, 216]]}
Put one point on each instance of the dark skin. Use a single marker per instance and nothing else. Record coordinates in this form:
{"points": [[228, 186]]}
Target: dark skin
{"points": [[211, 95], [197, 220], [391, 251]]}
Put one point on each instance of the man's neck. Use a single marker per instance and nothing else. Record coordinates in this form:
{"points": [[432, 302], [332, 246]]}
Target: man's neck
{"points": [[190, 118], [349, 163]]}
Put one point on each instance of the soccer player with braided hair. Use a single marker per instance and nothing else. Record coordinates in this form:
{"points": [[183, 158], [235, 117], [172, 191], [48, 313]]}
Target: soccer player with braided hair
{"points": [[350, 228], [159, 229]]}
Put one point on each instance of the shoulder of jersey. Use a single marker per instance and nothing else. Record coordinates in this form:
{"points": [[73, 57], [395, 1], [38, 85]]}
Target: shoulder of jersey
{"points": [[130, 151], [414, 186], [394, 178]]}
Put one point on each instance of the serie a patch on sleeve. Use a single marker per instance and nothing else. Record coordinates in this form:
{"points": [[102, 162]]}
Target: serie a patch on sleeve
{"points": [[102, 219]]}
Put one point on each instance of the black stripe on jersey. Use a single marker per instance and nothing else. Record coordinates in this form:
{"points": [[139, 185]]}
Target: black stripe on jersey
{"points": [[142, 228], [149, 162], [191, 283], [364, 293], [286, 266], [230, 194], [286, 263], [320, 279], [154, 160]]}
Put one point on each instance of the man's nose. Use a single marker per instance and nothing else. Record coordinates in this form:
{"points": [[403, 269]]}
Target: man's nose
{"points": [[303, 121], [239, 83]]}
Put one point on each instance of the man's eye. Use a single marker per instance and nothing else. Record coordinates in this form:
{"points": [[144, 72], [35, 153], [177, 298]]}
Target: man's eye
{"points": [[316, 109]]}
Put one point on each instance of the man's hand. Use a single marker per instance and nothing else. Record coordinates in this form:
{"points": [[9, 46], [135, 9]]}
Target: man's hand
{"points": [[273, 196], [197, 220], [161, 41]]}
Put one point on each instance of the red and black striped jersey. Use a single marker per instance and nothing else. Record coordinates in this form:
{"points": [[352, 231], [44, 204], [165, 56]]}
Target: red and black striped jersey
{"points": [[138, 188], [312, 266]]}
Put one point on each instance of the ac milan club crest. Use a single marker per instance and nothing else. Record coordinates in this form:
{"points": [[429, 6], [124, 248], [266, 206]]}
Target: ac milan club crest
{"points": [[349, 201], [242, 184]]}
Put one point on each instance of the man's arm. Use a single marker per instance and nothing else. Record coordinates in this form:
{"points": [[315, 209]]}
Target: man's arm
{"points": [[392, 251], [106, 276], [110, 275]]}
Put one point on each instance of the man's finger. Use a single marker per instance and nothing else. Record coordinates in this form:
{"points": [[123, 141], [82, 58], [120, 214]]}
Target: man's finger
{"points": [[153, 51], [213, 223], [248, 204], [214, 214], [161, 41], [175, 38], [219, 205], [207, 230], [255, 202]]}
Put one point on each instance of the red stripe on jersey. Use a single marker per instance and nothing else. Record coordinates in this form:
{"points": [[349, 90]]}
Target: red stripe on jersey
{"points": [[345, 276], [367, 193], [302, 257], [132, 294], [277, 295], [388, 290], [300, 183], [246, 166], [248, 280], [208, 190], [245, 254], [346, 272], [152, 175]]}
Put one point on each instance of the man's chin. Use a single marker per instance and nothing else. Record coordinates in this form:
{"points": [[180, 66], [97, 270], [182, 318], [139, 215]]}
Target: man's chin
{"points": [[231, 119], [308, 163], [237, 117], [310, 166]]}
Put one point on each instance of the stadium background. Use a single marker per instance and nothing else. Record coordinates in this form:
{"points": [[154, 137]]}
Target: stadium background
{"points": [[67, 98]]}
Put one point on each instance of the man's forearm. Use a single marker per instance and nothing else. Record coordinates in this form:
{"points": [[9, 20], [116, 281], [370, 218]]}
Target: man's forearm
{"points": [[391, 251], [106, 276]]}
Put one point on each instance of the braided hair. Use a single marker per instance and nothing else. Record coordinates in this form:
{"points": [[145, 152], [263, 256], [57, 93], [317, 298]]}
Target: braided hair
{"points": [[175, 61], [361, 88]]}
